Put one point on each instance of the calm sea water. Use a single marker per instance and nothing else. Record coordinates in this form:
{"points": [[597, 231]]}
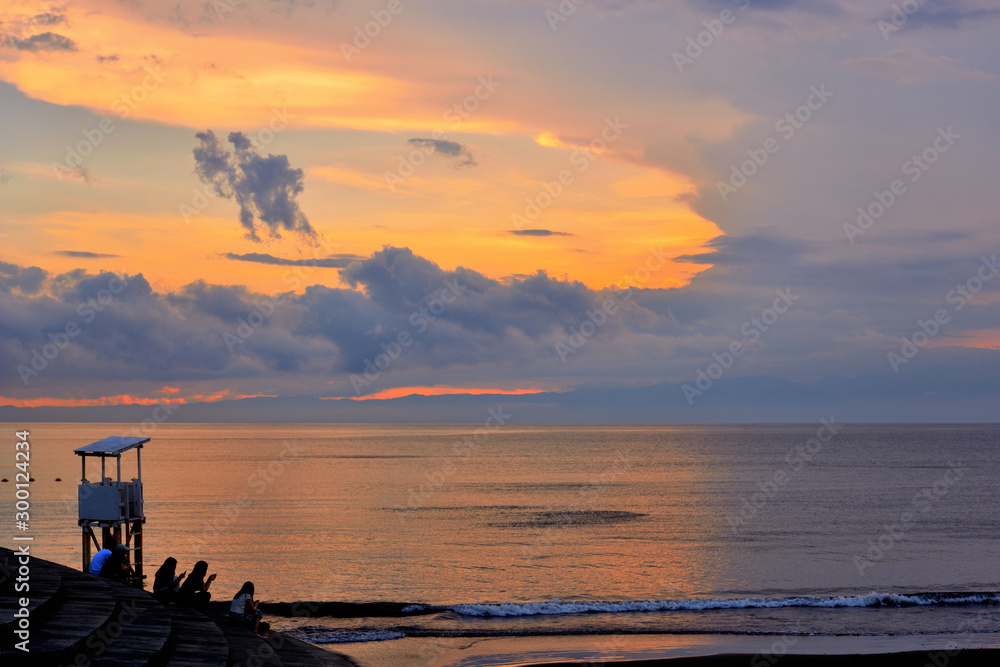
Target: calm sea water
{"points": [[786, 530]]}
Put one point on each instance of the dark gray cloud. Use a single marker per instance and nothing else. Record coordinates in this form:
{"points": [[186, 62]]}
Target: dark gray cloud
{"points": [[448, 149], [106, 59], [46, 41], [817, 7], [27, 280], [331, 262], [83, 254], [322, 334], [4, 176], [504, 330], [48, 18], [538, 232], [951, 14], [759, 246], [266, 188]]}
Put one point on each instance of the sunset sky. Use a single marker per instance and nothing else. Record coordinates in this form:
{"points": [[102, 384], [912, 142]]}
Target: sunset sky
{"points": [[213, 200]]}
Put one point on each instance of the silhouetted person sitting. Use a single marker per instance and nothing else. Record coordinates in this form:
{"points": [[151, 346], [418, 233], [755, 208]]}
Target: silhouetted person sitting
{"points": [[194, 591], [102, 556], [115, 567], [243, 609], [165, 583]]}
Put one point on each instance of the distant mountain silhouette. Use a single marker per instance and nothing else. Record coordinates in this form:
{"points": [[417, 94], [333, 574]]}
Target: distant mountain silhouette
{"points": [[933, 393]]}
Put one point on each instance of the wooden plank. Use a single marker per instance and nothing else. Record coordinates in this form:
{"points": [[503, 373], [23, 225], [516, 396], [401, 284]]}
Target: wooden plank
{"points": [[45, 584], [86, 605], [102, 623], [246, 648], [145, 630], [195, 640]]}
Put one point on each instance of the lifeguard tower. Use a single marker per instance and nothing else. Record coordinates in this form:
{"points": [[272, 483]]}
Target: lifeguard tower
{"points": [[113, 506]]}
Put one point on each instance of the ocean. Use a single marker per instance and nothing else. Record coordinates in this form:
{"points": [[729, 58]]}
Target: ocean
{"points": [[475, 545]]}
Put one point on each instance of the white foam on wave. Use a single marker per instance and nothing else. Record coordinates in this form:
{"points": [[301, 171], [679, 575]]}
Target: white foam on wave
{"points": [[327, 636], [874, 599]]}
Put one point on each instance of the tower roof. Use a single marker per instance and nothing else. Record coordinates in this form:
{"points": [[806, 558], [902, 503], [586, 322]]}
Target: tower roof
{"points": [[111, 446]]}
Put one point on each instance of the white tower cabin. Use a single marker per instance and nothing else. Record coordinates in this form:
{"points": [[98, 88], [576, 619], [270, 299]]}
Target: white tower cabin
{"points": [[113, 505]]}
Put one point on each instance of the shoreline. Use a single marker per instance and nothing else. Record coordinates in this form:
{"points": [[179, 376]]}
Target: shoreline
{"points": [[940, 650], [968, 657]]}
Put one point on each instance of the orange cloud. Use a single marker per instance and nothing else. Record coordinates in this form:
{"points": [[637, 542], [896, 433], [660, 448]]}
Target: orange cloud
{"points": [[123, 399], [120, 399], [231, 79], [396, 392], [985, 339]]}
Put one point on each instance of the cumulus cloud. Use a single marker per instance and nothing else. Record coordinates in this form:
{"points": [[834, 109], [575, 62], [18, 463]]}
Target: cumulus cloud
{"points": [[503, 330], [27, 280], [447, 149], [320, 334], [331, 262], [46, 41], [266, 188]]}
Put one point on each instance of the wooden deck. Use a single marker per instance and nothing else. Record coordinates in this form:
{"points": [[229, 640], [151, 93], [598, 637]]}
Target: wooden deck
{"points": [[78, 620]]}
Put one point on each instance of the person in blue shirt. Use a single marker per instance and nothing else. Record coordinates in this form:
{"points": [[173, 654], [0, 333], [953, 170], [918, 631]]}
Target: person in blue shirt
{"points": [[102, 556]]}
